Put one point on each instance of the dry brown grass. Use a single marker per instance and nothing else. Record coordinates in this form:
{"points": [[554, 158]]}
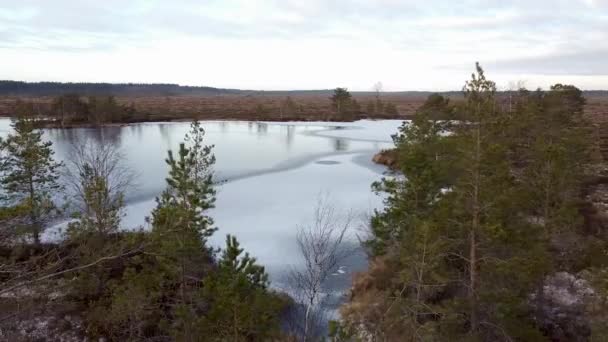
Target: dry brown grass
{"points": [[597, 109], [265, 106], [308, 107], [239, 107]]}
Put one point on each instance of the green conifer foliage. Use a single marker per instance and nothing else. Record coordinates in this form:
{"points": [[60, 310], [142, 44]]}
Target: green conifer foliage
{"points": [[456, 252], [423, 155], [180, 226], [29, 174], [102, 210], [240, 306]]}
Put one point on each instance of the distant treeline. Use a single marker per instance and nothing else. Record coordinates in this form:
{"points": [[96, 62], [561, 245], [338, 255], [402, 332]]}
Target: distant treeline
{"points": [[19, 88], [70, 109]]}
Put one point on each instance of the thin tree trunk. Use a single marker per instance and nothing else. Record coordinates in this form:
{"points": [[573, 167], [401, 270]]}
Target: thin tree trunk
{"points": [[33, 215], [540, 290], [307, 319], [235, 330], [419, 284], [62, 113], [473, 279], [473, 235]]}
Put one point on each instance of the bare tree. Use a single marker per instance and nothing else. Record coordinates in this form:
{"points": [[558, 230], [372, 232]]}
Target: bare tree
{"points": [[377, 89], [379, 106], [321, 244], [98, 178], [512, 89]]}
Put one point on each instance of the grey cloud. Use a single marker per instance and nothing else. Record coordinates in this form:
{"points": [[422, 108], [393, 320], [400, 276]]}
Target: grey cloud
{"points": [[593, 62]]}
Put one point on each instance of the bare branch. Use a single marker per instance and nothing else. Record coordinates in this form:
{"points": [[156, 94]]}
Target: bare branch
{"points": [[106, 162], [321, 246], [74, 269]]}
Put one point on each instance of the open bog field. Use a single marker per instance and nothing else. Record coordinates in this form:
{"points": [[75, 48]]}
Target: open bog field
{"points": [[271, 106]]}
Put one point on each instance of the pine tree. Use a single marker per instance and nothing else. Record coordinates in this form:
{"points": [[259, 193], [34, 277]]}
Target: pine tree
{"points": [[203, 157], [455, 258], [492, 238], [180, 226], [409, 272], [102, 210], [476, 150], [551, 156], [341, 101], [423, 158], [558, 157], [240, 306], [30, 174]]}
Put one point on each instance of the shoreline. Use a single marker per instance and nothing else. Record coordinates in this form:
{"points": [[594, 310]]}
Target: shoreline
{"points": [[55, 124]]}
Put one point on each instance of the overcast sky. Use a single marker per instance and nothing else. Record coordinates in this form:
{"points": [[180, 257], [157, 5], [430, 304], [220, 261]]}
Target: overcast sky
{"points": [[306, 44]]}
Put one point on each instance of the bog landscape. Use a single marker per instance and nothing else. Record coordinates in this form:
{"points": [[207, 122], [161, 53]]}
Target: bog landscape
{"points": [[302, 200]]}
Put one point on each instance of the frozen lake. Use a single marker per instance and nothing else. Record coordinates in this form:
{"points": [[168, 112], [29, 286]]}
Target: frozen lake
{"points": [[272, 173]]}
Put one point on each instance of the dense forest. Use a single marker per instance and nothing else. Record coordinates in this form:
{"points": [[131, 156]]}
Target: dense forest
{"points": [[19, 88], [486, 235]]}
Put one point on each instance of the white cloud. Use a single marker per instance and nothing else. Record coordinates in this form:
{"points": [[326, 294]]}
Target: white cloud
{"points": [[285, 44]]}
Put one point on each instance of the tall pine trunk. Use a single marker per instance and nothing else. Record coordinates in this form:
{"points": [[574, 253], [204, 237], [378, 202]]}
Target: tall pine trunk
{"points": [[33, 215], [473, 233]]}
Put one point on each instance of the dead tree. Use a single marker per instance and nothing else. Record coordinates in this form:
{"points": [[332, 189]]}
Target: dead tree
{"points": [[97, 179], [321, 245]]}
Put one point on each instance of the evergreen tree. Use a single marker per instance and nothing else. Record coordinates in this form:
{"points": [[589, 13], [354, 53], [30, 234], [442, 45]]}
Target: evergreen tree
{"points": [[423, 158], [479, 180], [102, 209], [408, 238], [551, 155], [29, 174], [156, 293], [203, 157], [455, 255], [181, 228], [341, 101], [240, 306], [492, 237]]}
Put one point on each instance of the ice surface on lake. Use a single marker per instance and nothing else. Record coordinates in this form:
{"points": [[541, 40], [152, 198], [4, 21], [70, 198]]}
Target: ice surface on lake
{"points": [[274, 174], [264, 210], [362, 130]]}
